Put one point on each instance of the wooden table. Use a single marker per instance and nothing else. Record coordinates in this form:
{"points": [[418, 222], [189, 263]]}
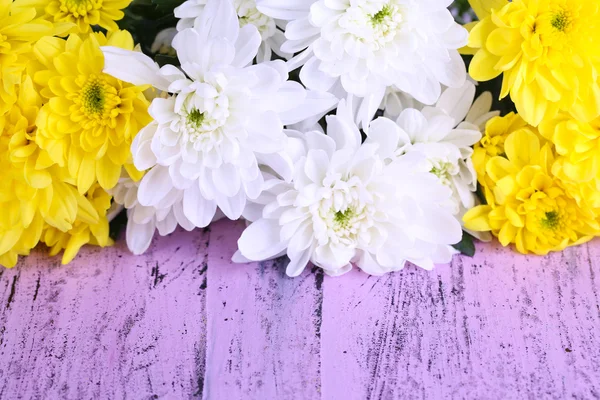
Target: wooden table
{"points": [[183, 322]]}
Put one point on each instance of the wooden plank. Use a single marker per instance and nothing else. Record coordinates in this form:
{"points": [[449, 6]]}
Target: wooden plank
{"points": [[263, 339], [115, 326], [110, 325], [499, 325]]}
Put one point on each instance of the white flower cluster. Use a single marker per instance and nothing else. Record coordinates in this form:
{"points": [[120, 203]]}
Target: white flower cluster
{"points": [[233, 136]]}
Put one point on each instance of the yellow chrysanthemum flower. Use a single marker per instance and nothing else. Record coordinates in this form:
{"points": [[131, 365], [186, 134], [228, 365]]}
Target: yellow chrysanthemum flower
{"points": [[491, 144], [527, 205], [548, 51], [34, 191], [83, 232], [19, 29], [81, 15], [578, 144], [19, 241], [90, 118]]}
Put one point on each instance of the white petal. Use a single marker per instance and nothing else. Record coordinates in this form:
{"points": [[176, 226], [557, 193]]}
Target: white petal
{"points": [[218, 20], [368, 107], [226, 179], [155, 186], [387, 135], [300, 29], [344, 133], [298, 262], [254, 188], [167, 225], [233, 206], [238, 258], [463, 137], [182, 220], [457, 101], [454, 72], [133, 67], [141, 214], [369, 265], [314, 106], [413, 123], [196, 208], [286, 10], [331, 257], [139, 236], [480, 107], [315, 79], [302, 239], [265, 133], [318, 140], [339, 271], [275, 43], [279, 162], [246, 46], [316, 166], [143, 156], [162, 110], [260, 241]]}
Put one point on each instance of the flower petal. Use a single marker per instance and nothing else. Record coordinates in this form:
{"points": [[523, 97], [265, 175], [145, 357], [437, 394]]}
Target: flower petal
{"points": [[260, 241]]}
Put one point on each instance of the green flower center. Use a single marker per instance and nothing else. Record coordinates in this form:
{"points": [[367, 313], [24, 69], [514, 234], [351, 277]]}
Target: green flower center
{"points": [[342, 218], [560, 21], [551, 220], [380, 17], [93, 97], [444, 171], [195, 118]]}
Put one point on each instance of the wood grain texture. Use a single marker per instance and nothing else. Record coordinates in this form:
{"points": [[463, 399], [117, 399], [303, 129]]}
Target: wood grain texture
{"points": [[184, 322], [499, 325], [109, 325], [263, 327]]}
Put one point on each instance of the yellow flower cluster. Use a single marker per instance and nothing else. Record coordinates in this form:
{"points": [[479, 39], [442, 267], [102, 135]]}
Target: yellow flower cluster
{"points": [[539, 169], [540, 194], [65, 126], [547, 50]]}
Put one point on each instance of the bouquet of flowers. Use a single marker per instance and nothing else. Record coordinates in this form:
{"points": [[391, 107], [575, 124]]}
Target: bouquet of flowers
{"points": [[365, 133]]}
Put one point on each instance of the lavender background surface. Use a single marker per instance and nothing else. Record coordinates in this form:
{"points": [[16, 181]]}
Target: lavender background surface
{"points": [[183, 322]]}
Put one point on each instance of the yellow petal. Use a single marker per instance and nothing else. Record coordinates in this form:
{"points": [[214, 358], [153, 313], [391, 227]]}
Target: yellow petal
{"points": [[507, 234], [477, 219], [482, 66], [74, 245], [108, 173], [483, 8], [522, 147]]}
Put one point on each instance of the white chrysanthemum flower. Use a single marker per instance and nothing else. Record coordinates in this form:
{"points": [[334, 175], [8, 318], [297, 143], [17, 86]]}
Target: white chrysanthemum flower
{"points": [[272, 37], [224, 118], [368, 45], [444, 134], [346, 205], [143, 221]]}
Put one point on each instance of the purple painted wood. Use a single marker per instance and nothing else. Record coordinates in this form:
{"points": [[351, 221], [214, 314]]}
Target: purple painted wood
{"points": [[263, 327], [108, 325], [184, 322], [500, 325]]}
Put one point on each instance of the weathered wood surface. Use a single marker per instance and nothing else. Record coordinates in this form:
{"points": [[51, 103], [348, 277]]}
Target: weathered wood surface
{"points": [[183, 322]]}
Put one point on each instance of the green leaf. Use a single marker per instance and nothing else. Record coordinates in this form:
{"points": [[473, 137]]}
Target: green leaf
{"points": [[167, 5], [466, 246]]}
